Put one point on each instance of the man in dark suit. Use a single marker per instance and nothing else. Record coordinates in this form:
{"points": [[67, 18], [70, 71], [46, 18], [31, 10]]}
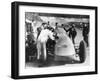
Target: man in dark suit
{"points": [[85, 33], [72, 32]]}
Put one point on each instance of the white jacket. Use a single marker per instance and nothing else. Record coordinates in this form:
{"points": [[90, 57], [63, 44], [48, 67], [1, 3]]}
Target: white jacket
{"points": [[44, 35]]}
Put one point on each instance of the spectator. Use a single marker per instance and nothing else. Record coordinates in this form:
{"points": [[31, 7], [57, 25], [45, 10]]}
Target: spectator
{"points": [[85, 33], [72, 33]]}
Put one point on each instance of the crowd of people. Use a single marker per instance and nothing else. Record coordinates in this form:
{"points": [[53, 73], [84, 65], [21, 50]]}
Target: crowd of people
{"points": [[58, 41]]}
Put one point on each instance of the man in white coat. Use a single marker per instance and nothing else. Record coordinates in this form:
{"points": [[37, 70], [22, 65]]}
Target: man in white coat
{"points": [[41, 42]]}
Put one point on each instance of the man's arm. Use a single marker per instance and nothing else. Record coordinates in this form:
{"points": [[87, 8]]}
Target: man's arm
{"points": [[67, 30]]}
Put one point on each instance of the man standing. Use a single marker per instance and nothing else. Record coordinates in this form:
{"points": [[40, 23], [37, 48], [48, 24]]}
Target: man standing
{"points": [[72, 33], [45, 34], [85, 33]]}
